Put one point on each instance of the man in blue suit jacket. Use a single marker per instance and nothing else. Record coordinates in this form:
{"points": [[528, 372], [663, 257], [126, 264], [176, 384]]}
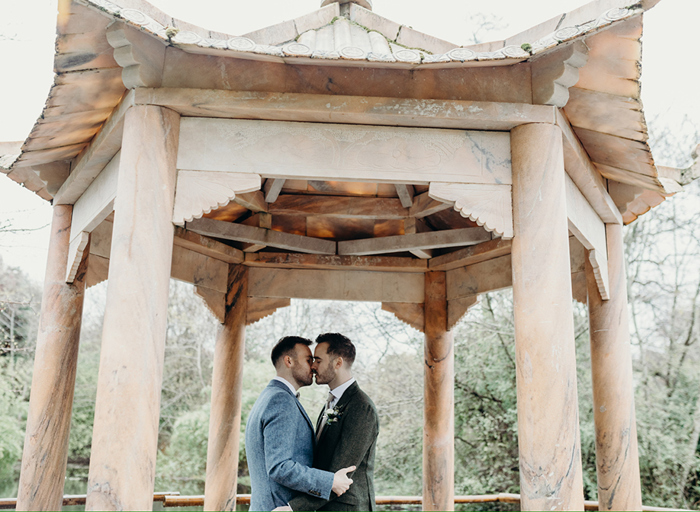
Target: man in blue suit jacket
{"points": [[279, 437]]}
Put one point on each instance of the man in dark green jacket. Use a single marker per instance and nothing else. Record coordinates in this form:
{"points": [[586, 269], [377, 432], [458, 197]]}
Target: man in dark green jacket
{"points": [[346, 430]]}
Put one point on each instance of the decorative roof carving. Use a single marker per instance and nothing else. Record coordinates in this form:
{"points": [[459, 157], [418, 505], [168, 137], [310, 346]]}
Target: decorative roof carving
{"points": [[604, 107], [356, 43], [367, 4], [490, 206]]}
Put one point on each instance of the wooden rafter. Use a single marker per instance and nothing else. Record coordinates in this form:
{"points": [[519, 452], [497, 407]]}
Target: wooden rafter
{"points": [[267, 237], [339, 207], [322, 262], [416, 241], [470, 255], [424, 205]]}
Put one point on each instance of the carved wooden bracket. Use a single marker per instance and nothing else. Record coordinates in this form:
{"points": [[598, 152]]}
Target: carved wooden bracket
{"points": [[490, 206], [457, 308], [199, 192], [76, 251], [411, 314], [555, 72], [139, 54], [261, 307], [214, 300]]}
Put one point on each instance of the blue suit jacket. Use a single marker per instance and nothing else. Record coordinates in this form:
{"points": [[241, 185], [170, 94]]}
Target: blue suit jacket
{"points": [[279, 445]]}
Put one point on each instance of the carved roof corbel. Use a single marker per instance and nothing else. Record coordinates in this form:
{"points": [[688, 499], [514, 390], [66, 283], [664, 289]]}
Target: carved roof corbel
{"points": [[556, 71], [140, 55]]}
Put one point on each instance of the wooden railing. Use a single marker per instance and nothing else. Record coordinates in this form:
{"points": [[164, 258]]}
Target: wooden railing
{"points": [[173, 499]]}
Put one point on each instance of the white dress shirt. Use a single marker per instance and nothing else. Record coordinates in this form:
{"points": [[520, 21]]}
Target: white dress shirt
{"points": [[286, 382], [338, 392]]}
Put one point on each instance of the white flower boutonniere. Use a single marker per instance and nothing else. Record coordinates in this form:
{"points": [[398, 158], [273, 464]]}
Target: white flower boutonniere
{"points": [[332, 415]]}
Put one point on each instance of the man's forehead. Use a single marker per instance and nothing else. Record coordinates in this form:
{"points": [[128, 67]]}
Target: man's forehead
{"points": [[303, 349], [321, 348]]}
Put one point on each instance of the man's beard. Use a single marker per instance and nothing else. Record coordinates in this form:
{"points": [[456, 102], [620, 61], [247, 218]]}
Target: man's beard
{"points": [[326, 377], [302, 378]]}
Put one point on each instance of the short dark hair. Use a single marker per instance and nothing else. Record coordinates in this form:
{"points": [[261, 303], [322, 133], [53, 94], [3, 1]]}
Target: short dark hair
{"points": [[338, 345], [286, 345]]}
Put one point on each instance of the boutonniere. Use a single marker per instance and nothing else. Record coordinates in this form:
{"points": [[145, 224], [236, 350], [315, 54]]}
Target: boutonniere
{"points": [[332, 415]]}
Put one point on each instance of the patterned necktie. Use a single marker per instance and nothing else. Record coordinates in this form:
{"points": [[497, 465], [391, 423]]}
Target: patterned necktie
{"points": [[325, 419]]}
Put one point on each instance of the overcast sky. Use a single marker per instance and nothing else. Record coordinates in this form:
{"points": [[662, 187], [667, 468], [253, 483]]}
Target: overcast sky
{"points": [[670, 76]]}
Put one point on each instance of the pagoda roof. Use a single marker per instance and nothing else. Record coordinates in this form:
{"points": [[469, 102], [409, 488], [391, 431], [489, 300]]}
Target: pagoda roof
{"points": [[603, 106]]}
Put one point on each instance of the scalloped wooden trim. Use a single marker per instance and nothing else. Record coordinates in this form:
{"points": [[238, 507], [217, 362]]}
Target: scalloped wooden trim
{"points": [[76, 251], [215, 301], [411, 314], [457, 308], [199, 192], [490, 206], [262, 307]]}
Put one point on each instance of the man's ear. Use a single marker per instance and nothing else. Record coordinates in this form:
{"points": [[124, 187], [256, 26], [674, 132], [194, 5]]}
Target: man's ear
{"points": [[288, 362], [338, 363]]}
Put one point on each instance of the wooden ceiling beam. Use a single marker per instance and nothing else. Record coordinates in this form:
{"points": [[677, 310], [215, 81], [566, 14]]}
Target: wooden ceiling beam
{"points": [[405, 193], [471, 255], [323, 262], [267, 237], [272, 189], [203, 245], [336, 285], [339, 207], [254, 201], [424, 205], [465, 115], [416, 241], [584, 174], [90, 162]]}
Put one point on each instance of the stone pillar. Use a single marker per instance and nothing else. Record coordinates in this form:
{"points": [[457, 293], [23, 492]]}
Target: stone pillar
{"points": [[619, 486], [548, 432], [53, 381], [438, 415], [226, 396], [125, 432]]}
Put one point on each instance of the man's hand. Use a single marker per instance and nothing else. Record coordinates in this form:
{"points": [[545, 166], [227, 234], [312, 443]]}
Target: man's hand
{"points": [[286, 508], [341, 480]]}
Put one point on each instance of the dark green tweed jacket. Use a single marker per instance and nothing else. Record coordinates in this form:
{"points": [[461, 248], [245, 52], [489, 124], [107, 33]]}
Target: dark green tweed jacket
{"points": [[349, 441]]}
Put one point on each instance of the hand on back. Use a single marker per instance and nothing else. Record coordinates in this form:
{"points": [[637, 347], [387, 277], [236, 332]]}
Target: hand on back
{"points": [[341, 480]]}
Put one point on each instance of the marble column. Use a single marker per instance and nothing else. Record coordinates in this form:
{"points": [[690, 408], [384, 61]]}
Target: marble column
{"points": [[617, 460], [53, 381], [548, 432], [125, 432], [438, 413], [226, 396]]}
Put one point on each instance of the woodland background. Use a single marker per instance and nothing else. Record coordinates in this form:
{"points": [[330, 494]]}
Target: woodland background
{"points": [[663, 257]]}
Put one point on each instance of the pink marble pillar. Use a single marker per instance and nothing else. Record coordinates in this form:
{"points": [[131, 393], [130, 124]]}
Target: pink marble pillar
{"points": [[125, 432], [438, 413], [548, 432], [617, 460], [53, 381], [226, 396]]}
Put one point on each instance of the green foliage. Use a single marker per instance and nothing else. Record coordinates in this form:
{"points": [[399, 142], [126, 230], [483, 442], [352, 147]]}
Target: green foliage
{"points": [[13, 414]]}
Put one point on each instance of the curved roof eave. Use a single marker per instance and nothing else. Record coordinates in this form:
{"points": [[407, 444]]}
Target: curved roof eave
{"points": [[88, 81], [394, 55]]}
